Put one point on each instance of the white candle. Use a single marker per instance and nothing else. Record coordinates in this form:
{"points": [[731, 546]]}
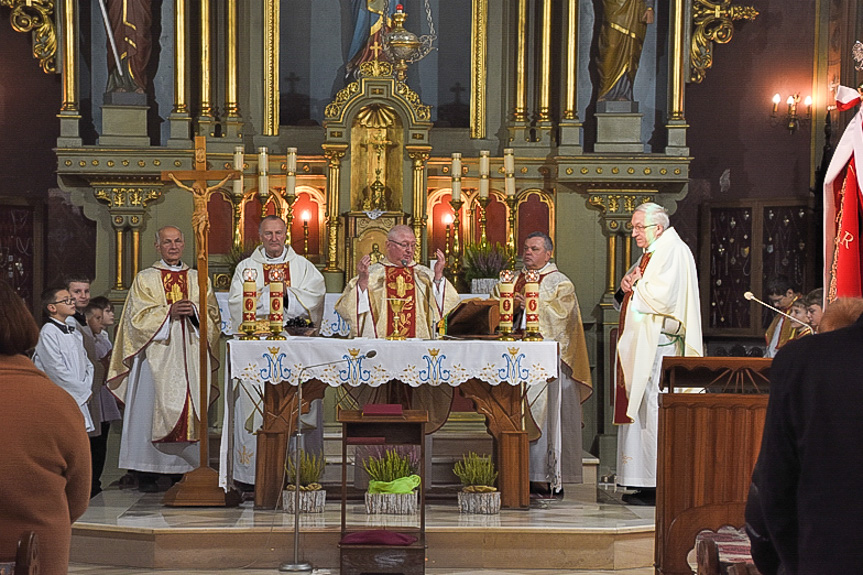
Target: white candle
{"points": [[508, 161], [263, 170], [290, 185], [292, 160], [238, 165], [456, 177], [483, 163], [509, 184]]}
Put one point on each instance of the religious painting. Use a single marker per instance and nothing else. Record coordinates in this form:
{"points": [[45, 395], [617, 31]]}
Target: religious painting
{"points": [[322, 43]]}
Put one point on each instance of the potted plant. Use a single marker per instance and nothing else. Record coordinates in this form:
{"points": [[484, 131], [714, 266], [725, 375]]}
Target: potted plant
{"points": [[393, 482], [478, 494], [483, 264], [312, 494]]}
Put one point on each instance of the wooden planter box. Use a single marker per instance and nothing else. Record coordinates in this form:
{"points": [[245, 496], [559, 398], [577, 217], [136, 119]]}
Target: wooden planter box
{"points": [[392, 503], [483, 503], [310, 501]]}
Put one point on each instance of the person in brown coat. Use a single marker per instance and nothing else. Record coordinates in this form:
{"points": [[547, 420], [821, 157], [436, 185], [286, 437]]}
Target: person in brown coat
{"points": [[44, 452]]}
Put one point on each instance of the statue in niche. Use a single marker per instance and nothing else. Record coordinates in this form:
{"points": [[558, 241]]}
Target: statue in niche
{"points": [[130, 22], [375, 198], [376, 162], [621, 38]]}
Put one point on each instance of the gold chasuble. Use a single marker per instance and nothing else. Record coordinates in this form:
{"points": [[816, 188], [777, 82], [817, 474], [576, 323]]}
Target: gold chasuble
{"points": [[147, 332], [401, 304]]}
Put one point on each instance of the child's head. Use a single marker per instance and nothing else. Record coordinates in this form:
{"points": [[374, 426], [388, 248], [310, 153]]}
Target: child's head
{"points": [[798, 311], [93, 313], [58, 304], [814, 307], [107, 310]]}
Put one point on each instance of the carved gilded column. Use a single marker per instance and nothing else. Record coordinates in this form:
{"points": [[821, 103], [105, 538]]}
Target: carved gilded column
{"points": [[118, 244], [677, 62], [271, 68], [70, 56], [612, 264], [232, 107], [419, 156], [206, 60], [570, 111], [478, 70], [181, 106], [136, 251], [520, 113], [334, 156], [545, 65]]}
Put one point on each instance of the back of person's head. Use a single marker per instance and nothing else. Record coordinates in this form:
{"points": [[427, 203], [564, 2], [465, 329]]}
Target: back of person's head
{"points": [[780, 285], [815, 297], [91, 309], [49, 296], [841, 313], [18, 330], [102, 303]]}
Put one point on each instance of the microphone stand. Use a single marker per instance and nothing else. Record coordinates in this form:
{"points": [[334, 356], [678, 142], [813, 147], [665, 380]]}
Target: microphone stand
{"points": [[302, 566]]}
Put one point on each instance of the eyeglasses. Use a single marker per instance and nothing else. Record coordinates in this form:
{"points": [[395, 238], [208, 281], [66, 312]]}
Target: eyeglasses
{"points": [[67, 301], [404, 245], [640, 229]]}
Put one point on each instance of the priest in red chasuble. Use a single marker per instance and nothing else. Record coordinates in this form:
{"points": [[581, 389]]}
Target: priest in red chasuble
{"points": [[399, 299], [555, 456], [154, 368], [660, 315]]}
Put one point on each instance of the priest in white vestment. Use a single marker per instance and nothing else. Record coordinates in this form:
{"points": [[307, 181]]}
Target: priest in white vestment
{"points": [[556, 441], [155, 364], [398, 298], [660, 316], [304, 297]]}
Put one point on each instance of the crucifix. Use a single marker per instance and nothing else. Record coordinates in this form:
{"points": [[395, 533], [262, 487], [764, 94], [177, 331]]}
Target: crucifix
{"points": [[200, 487]]}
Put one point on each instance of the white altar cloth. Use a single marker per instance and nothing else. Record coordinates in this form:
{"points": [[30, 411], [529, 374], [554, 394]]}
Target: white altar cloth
{"points": [[414, 362]]}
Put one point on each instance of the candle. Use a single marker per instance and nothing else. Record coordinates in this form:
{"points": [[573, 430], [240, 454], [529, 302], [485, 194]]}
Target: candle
{"points": [[290, 185], [263, 171], [506, 301], [508, 161], [531, 301], [483, 163], [292, 160], [776, 99], [238, 165], [456, 177], [250, 294], [276, 295]]}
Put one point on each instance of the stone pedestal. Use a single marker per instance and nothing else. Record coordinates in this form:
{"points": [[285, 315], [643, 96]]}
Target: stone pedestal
{"points": [[181, 129], [124, 120], [569, 136], [618, 128]]}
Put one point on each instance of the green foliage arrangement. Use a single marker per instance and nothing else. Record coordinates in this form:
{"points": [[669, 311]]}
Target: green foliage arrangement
{"points": [[484, 261], [475, 470], [311, 468], [389, 466]]}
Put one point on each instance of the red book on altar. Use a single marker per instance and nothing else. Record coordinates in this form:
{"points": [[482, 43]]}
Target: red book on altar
{"points": [[394, 409]]}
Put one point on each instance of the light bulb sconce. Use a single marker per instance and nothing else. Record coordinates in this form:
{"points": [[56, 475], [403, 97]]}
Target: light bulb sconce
{"points": [[793, 117]]}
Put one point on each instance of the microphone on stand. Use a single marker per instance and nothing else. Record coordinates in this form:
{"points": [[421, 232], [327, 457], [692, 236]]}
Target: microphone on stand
{"points": [[751, 297], [301, 566]]}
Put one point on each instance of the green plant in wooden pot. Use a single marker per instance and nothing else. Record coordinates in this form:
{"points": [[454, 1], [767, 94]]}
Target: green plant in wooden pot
{"points": [[312, 494], [393, 482], [477, 474]]}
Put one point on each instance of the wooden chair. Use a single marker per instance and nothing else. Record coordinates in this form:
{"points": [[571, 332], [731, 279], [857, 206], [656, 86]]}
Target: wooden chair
{"points": [[26, 559]]}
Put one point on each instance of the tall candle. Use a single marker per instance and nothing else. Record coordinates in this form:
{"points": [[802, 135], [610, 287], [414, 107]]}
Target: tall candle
{"points": [[506, 303], [508, 161], [238, 165], [456, 177], [483, 174], [263, 171], [276, 295], [250, 294], [531, 301], [292, 160]]}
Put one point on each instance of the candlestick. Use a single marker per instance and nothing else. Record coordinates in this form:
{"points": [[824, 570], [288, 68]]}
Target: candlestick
{"points": [[456, 244], [263, 178], [483, 203], [483, 174], [506, 303], [238, 165], [306, 217], [511, 204], [509, 160], [250, 293], [456, 177], [292, 161], [531, 306]]}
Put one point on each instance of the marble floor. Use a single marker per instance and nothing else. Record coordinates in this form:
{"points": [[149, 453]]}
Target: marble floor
{"points": [[585, 510]]}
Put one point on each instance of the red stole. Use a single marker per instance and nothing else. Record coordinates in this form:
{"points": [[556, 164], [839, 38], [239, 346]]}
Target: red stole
{"points": [[401, 302], [845, 274], [621, 400], [269, 270], [176, 286]]}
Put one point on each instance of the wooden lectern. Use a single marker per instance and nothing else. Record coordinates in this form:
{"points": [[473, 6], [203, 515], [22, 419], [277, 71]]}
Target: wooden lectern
{"points": [[708, 446]]}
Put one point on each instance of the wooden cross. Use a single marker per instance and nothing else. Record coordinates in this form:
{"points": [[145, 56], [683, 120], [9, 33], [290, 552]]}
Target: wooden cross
{"points": [[200, 487]]}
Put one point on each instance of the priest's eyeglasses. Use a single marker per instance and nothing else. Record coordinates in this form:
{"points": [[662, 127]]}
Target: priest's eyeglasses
{"points": [[640, 229], [404, 245]]}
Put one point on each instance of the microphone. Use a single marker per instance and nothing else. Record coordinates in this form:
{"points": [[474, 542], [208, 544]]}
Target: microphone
{"points": [[751, 297], [405, 263], [367, 355]]}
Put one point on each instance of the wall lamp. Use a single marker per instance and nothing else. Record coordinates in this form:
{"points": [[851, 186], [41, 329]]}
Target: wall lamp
{"points": [[792, 118]]}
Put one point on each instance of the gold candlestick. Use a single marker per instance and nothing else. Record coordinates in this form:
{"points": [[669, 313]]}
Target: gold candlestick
{"points": [[510, 239], [456, 243], [306, 216], [289, 215], [483, 203]]}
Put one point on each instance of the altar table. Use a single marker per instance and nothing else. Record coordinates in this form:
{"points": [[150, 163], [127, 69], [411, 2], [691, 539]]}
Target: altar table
{"points": [[491, 373]]}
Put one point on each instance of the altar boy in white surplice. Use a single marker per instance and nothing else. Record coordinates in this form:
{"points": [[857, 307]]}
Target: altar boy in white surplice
{"points": [[304, 297]]}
